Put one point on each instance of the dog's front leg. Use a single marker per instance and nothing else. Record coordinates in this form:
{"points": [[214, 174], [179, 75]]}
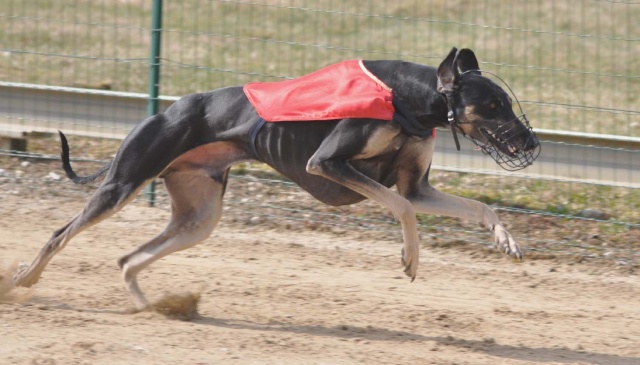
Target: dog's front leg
{"points": [[430, 201], [341, 172]]}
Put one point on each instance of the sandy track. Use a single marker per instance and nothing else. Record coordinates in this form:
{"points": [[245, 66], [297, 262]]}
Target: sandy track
{"points": [[301, 297]]}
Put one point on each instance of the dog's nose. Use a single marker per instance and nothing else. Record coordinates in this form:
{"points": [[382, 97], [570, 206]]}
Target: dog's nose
{"points": [[532, 142]]}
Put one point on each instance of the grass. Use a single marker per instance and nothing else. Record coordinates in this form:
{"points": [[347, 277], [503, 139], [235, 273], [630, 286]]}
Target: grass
{"points": [[565, 198], [575, 64]]}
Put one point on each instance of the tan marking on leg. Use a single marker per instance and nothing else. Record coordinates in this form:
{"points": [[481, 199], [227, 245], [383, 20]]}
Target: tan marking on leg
{"points": [[99, 207], [196, 208]]}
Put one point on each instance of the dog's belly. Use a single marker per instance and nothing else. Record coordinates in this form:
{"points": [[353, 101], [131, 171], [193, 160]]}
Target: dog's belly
{"points": [[288, 150], [329, 192], [322, 189]]}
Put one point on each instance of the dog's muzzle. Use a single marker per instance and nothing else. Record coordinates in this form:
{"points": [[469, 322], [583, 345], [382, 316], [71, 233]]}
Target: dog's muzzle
{"points": [[511, 151]]}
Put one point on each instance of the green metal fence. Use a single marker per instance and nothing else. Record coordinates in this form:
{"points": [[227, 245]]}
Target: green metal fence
{"points": [[573, 64]]}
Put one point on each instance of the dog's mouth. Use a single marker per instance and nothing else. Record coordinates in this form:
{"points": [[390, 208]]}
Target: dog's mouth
{"points": [[498, 141], [512, 150]]}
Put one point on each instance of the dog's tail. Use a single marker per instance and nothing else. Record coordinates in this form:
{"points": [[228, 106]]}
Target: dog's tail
{"points": [[66, 165]]}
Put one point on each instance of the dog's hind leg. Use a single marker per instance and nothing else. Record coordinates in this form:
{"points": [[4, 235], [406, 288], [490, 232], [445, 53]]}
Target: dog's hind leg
{"points": [[196, 207], [107, 200], [143, 155]]}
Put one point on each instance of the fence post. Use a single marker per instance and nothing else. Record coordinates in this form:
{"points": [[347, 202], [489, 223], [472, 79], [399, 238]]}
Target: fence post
{"points": [[154, 79]]}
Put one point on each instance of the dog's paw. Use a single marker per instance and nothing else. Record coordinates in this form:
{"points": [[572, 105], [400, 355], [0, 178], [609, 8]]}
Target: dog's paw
{"points": [[410, 263], [19, 278], [506, 243]]}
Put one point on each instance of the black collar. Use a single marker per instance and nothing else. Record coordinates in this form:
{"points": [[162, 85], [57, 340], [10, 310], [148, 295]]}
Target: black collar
{"points": [[408, 121]]}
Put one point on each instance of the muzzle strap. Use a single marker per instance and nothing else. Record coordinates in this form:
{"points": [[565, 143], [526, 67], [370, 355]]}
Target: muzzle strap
{"points": [[453, 123]]}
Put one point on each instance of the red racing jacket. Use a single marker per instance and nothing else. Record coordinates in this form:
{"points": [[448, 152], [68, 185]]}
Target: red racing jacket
{"points": [[342, 90]]}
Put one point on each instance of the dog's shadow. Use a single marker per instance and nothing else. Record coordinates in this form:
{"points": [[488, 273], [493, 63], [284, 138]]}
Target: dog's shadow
{"points": [[489, 347], [373, 334]]}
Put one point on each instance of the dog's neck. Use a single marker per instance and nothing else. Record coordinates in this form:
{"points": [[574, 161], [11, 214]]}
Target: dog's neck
{"points": [[415, 85]]}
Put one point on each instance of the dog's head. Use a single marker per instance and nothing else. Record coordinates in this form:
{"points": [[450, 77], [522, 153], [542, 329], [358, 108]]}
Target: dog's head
{"points": [[484, 113]]}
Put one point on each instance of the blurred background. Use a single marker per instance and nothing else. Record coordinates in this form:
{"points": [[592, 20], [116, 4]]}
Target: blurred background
{"points": [[93, 69]]}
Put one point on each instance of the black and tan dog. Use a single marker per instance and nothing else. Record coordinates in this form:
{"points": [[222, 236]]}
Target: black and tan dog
{"points": [[341, 161]]}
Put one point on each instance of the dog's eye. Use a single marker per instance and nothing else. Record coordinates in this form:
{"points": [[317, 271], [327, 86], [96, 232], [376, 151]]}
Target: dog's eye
{"points": [[494, 105]]}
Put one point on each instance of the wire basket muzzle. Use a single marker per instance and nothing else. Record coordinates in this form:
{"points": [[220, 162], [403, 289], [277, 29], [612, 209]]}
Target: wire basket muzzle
{"points": [[508, 152]]}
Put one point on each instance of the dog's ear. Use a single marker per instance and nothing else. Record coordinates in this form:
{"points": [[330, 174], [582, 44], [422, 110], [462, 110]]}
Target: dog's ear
{"points": [[466, 61], [447, 72]]}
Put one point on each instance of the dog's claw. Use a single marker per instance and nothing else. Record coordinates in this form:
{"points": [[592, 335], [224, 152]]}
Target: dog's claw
{"points": [[410, 268], [407, 271]]}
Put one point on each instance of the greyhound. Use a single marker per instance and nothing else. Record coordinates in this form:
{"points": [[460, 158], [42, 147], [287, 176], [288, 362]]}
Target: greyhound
{"points": [[341, 161]]}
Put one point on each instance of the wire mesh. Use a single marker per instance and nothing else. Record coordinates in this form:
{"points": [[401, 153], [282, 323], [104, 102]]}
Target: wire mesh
{"points": [[83, 66]]}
